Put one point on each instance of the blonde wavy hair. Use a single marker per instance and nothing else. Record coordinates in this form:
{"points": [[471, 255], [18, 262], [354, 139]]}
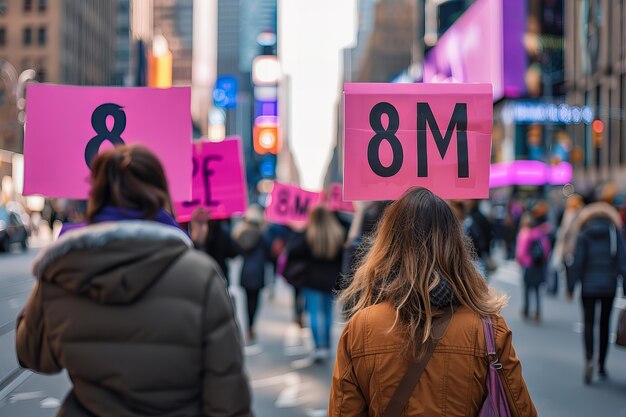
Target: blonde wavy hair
{"points": [[324, 233], [418, 243]]}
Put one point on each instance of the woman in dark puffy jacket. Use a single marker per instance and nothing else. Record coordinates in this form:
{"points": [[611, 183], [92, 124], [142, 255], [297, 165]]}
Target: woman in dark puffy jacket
{"points": [[256, 251], [141, 321], [599, 259], [321, 247]]}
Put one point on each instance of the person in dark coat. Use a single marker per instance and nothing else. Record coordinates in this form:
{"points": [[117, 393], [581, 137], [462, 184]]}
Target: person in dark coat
{"points": [[213, 237], [480, 232], [599, 258], [321, 246], [256, 251], [141, 321]]}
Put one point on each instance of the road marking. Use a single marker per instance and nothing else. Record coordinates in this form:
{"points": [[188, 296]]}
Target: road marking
{"points": [[16, 382], [578, 327], [289, 378], [50, 402], [297, 341], [512, 279], [321, 412], [24, 396], [302, 363], [14, 303], [290, 396], [253, 350]]}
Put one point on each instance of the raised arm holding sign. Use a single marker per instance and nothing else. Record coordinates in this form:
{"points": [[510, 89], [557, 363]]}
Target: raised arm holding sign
{"points": [[394, 139]]}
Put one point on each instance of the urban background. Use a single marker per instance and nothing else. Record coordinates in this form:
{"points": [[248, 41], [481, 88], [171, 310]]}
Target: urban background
{"points": [[272, 72]]}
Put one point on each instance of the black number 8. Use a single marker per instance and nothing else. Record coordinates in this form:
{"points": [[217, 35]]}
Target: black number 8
{"points": [[98, 122], [389, 134]]}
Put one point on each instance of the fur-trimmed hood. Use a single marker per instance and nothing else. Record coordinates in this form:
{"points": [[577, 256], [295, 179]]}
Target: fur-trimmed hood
{"points": [[593, 211], [111, 262]]}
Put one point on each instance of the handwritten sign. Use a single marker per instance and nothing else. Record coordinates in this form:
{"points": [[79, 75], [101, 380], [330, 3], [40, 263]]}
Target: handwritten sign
{"points": [[289, 203], [336, 202], [397, 136], [219, 183], [66, 127]]}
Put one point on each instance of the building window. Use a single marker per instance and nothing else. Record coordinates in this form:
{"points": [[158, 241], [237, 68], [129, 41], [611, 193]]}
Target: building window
{"points": [[43, 5], [28, 5], [27, 37], [3, 7], [42, 36], [3, 36], [41, 74]]}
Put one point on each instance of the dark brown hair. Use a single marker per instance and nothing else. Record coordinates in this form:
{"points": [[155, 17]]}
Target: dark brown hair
{"points": [[418, 243], [130, 177]]}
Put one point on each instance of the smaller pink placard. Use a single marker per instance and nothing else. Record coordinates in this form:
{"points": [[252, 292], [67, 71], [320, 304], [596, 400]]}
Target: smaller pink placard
{"points": [[336, 201], [290, 204], [219, 183]]}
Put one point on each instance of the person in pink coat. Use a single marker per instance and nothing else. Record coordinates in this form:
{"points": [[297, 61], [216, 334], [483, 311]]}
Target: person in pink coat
{"points": [[532, 251]]}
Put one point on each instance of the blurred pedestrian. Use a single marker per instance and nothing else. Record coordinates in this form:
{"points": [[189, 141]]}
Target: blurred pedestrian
{"points": [[141, 321], [255, 250], [573, 206], [479, 230], [532, 252], [599, 258], [417, 271], [213, 237], [321, 247]]}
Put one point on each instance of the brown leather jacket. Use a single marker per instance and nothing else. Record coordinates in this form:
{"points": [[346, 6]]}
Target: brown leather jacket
{"points": [[369, 367]]}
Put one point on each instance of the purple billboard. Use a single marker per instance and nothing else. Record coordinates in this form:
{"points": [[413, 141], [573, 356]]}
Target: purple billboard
{"points": [[485, 45]]}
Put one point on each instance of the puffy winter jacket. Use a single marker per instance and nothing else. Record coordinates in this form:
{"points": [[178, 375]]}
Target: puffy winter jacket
{"points": [[142, 323], [599, 258]]}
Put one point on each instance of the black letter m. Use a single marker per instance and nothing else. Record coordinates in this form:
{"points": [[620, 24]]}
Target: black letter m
{"points": [[458, 120]]}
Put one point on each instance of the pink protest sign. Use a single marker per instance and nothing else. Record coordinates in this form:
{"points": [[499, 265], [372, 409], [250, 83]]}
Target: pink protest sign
{"points": [[436, 136], [66, 127], [290, 204], [219, 183], [336, 202]]}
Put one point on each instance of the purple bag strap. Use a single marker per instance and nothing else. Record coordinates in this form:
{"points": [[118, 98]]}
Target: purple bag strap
{"points": [[489, 339], [496, 404]]}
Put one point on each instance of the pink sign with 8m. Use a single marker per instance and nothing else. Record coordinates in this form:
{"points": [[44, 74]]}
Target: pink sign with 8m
{"points": [[436, 136], [290, 204]]}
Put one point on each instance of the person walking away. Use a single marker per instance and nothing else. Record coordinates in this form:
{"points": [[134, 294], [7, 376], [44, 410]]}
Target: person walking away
{"points": [[599, 259], [532, 251], [141, 321], [256, 250], [563, 250], [321, 246], [213, 237], [417, 269], [479, 230]]}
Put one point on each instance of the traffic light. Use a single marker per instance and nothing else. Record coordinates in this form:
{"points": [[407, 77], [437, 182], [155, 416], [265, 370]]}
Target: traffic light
{"points": [[597, 132], [266, 138]]}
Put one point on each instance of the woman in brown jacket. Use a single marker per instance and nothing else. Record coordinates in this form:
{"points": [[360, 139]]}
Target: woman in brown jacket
{"points": [[417, 267], [141, 321]]}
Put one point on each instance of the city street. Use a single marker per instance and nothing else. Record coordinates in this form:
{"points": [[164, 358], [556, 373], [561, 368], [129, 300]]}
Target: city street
{"points": [[285, 383]]}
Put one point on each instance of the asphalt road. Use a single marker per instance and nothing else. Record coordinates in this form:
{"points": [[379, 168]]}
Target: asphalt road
{"points": [[286, 383]]}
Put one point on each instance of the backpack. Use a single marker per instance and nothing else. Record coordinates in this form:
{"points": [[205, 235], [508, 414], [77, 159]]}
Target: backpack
{"points": [[537, 253]]}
